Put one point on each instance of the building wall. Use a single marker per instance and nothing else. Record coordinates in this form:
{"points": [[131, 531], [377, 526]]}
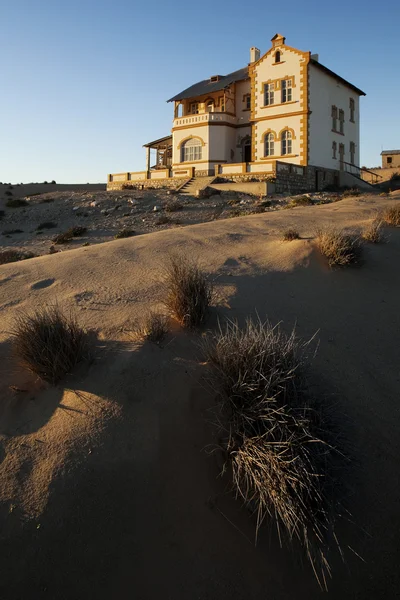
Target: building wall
{"points": [[275, 117], [178, 136], [395, 161], [325, 92]]}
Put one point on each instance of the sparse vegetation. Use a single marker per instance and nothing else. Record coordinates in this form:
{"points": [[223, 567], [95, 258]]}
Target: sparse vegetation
{"points": [[173, 206], [351, 192], [272, 433], [124, 233], [290, 235], [67, 236], [44, 200], [16, 202], [164, 220], [46, 225], [301, 201], [49, 343], [391, 215], [373, 233], [154, 327], [340, 248], [53, 181], [395, 176], [9, 256], [188, 291]]}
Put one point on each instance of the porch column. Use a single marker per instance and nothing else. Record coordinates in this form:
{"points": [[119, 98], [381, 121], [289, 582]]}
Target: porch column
{"points": [[148, 158]]}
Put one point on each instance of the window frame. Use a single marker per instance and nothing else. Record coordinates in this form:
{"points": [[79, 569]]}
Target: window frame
{"points": [[196, 111], [334, 150], [352, 110], [247, 101], [191, 152], [286, 90], [334, 115], [286, 143], [341, 121], [269, 144], [269, 93], [210, 103], [389, 160]]}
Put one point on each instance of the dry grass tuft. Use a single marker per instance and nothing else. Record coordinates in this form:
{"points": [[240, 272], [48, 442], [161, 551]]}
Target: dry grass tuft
{"points": [[124, 233], [373, 233], [154, 327], [391, 215], [278, 461], [301, 201], [291, 234], [164, 220], [340, 248], [188, 292], [67, 236], [351, 192], [49, 343], [10, 256]]}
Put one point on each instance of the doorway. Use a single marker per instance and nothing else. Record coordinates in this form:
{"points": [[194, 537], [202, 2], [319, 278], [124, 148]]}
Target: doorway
{"points": [[247, 152]]}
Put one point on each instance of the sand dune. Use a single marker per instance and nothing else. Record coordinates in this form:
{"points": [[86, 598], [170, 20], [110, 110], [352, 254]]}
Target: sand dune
{"points": [[108, 488]]}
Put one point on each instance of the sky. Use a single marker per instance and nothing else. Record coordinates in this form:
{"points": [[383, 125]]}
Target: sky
{"points": [[84, 84]]}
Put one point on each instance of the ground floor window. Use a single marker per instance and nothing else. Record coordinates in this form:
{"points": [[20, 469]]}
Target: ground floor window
{"points": [[269, 145], [191, 150], [352, 152]]}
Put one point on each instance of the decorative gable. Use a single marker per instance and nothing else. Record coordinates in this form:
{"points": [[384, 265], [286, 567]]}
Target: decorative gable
{"points": [[278, 40]]}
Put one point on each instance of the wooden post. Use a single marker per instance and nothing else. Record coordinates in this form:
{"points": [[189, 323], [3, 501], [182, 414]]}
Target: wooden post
{"points": [[148, 158]]}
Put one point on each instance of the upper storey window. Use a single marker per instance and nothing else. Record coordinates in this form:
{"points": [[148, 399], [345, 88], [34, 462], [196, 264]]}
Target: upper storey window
{"points": [[341, 121], [194, 108], [277, 56], [247, 101], [334, 118], [269, 93], [352, 110], [286, 87]]}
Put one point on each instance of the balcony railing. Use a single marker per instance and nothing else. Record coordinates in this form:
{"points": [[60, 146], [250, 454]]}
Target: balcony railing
{"points": [[205, 118]]}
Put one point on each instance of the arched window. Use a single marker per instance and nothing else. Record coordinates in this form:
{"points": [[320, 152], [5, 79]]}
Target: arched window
{"points": [[269, 144], [286, 140], [210, 106], [191, 150], [277, 56]]}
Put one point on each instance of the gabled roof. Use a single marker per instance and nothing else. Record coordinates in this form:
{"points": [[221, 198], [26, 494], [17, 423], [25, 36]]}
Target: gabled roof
{"points": [[336, 76], [206, 87], [384, 152]]}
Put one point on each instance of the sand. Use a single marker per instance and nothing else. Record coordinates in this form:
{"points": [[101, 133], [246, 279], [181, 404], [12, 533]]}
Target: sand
{"points": [[108, 486]]}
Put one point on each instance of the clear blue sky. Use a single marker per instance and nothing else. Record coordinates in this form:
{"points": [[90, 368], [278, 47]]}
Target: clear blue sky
{"points": [[84, 84]]}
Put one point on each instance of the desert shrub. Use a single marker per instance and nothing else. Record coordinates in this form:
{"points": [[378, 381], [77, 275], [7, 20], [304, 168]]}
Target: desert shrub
{"points": [[301, 201], [45, 182], [124, 233], [374, 232], [8, 193], [164, 220], [49, 343], [340, 248], [290, 235], [391, 215], [53, 181], [9, 256], [187, 291], [46, 225], [67, 236], [173, 206], [16, 202], [44, 200], [154, 327], [272, 433], [351, 192], [11, 231], [395, 176]]}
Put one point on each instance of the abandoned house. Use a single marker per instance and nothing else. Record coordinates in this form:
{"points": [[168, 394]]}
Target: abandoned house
{"points": [[390, 159]]}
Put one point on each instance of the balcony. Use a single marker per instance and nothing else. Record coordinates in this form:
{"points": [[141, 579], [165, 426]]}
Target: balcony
{"points": [[205, 118]]}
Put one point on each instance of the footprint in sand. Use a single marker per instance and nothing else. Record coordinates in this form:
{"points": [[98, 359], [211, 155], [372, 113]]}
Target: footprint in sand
{"points": [[44, 283]]}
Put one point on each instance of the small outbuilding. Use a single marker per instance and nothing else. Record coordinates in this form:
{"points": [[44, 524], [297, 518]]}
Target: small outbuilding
{"points": [[390, 158]]}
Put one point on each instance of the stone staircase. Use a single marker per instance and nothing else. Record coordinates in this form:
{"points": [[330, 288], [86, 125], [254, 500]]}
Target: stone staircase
{"points": [[196, 183]]}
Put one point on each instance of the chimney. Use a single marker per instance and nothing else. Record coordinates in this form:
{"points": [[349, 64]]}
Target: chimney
{"points": [[315, 57], [254, 54]]}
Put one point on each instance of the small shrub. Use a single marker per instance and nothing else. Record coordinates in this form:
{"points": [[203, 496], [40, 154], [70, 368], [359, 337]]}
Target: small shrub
{"points": [[351, 192], [16, 202], [301, 201], [45, 182], [188, 292], [124, 233], [78, 230], [290, 235], [391, 215], [67, 236], [154, 327], [9, 256], [46, 225], [395, 176], [373, 233], [12, 231], [271, 433], [340, 248], [164, 220], [53, 182], [49, 343], [173, 206]]}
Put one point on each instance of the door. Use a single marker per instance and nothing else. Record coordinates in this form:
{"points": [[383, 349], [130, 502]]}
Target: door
{"points": [[247, 153]]}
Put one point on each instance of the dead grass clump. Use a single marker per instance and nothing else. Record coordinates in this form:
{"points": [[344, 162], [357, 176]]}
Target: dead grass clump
{"points": [[351, 192], [16, 202], [278, 461], [124, 233], [291, 234], [173, 206], [188, 292], [154, 327], [340, 248], [301, 201], [49, 343], [391, 215], [67, 236], [9, 256], [373, 233]]}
